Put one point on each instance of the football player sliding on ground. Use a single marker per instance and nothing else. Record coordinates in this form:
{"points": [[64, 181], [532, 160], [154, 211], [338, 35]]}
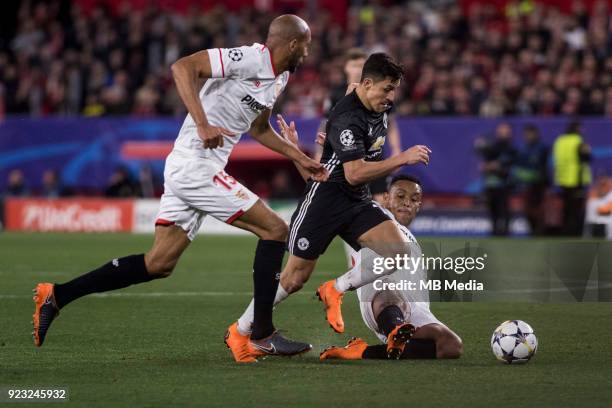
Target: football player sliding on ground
{"points": [[399, 318], [240, 88]]}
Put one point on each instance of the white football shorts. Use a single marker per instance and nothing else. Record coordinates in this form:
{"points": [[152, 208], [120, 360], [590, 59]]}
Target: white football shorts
{"points": [[194, 188]]}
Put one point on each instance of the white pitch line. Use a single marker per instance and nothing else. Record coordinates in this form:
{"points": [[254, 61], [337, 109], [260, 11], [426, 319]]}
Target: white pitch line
{"points": [[213, 294], [155, 294]]}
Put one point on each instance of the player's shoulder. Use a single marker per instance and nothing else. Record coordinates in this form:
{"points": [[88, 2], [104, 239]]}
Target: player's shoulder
{"points": [[248, 61], [349, 105], [261, 55], [246, 54], [348, 111]]}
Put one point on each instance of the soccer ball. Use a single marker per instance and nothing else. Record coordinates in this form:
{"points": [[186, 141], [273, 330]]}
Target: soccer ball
{"points": [[514, 342]]}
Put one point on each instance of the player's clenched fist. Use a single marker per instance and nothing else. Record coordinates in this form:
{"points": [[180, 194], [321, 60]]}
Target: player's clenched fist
{"points": [[212, 136], [416, 154]]}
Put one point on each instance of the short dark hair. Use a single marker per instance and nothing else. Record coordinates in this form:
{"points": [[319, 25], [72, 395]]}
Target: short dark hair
{"points": [[530, 128], [355, 54], [404, 177], [379, 66]]}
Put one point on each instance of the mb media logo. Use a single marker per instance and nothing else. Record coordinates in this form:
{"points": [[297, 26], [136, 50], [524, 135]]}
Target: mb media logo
{"points": [[252, 103]]}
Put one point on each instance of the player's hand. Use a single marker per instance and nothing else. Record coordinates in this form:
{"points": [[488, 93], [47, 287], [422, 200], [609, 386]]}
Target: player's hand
{"points": [[212, 136], [316, 169], [351, 87], [320, 139], [289, 132], [416, 154]]}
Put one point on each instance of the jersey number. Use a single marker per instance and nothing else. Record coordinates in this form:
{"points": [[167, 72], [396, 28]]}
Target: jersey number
{"points": [[224, 179]]}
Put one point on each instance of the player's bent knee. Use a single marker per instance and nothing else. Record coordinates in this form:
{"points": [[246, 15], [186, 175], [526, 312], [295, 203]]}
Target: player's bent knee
{"points": [[294, 282], [160, 268], [449, 347], [295, 279], [277, 230], [384, 299]]}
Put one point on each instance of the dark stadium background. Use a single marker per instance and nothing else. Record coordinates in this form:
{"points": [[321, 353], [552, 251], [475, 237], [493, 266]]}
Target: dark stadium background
{"points": [[88, 103]]}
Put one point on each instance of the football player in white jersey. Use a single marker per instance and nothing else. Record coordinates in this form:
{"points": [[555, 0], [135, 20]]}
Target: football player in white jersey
{"points": [[399, 318], [240, 87]]}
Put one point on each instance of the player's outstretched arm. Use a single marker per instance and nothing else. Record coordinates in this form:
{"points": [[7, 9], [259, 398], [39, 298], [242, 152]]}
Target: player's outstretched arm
{"points": [[264, 134], [187, 73], [359, 171]]}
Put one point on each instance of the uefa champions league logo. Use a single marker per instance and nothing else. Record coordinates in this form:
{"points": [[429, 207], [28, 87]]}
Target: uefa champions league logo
{"points": [[346, 138], [235, 54]]}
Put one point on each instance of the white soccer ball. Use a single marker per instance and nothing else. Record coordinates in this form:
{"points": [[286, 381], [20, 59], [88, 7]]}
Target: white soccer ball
{"points": [[514, 342]]}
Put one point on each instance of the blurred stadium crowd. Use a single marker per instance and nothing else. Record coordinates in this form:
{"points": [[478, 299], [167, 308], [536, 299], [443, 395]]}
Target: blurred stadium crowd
{"points": [[526, 59]]}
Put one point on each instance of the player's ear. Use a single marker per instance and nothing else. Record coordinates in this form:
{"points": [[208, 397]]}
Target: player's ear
{"points": [[293, 44], [385, 198]]}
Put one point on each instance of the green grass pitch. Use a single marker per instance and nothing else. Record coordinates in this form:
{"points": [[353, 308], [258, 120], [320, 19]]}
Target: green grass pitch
{"points": [[161, 343]]}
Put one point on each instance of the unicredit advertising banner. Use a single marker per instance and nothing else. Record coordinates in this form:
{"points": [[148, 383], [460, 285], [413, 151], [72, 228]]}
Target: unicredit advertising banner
{"points": [[70, 215], [138, 216]]}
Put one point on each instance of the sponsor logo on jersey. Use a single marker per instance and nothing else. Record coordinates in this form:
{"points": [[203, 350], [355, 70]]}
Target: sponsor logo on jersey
{"points": [[303, 244], [346, 138], [253, 104], [257, 83], [243, 195], [235, 54], [378, 144]]}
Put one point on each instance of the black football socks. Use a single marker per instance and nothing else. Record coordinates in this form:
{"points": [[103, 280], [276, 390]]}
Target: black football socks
{"points": [[116, 274], [389, 318], [415, 349], [266, 275]]}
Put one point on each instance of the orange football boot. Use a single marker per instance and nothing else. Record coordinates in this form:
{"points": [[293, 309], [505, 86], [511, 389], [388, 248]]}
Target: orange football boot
{"points": [[397, 339], [45, 310], [332, 299], [238, 343], [352, 351]]}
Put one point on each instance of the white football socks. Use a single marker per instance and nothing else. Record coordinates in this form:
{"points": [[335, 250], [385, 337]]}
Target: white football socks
{"points": [[245, 322], [350, 278], [361, 273]]}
